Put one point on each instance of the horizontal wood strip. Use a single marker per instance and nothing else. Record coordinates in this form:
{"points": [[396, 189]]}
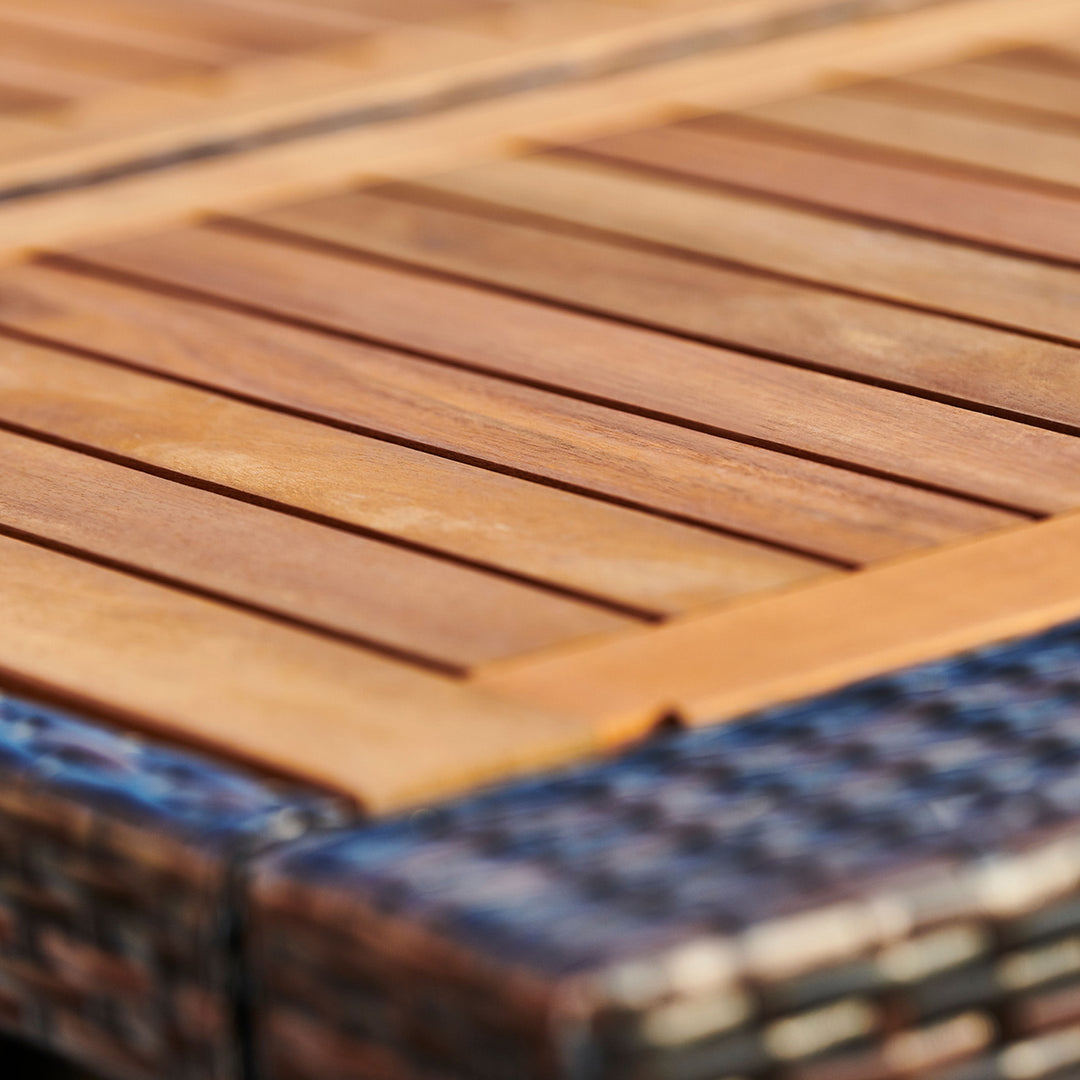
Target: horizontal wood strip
{"points": [[837, 175], [941, 355], [420, 607], [193, 20], [54, 86], [570, 443], [640, 369], [1009, 148], [590, 547], [816, 638], [383, 731], [78, 20], [16, 96], [113, 60], [1051, 91], [738, 78], [937, 275], [494, 53]]}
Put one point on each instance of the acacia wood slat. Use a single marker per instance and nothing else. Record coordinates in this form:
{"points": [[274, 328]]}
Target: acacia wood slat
{"points": [[196, 670], [1010, 291], [572, 443], [16, 96], [112, 60], [436, 611], [77, 20], [712, 302], [195, 20], [1006, 147], [730, 149], [1049, 91], [591, 547], [814, 639], [57, 86], [401, 66], [260, 177], [718, 388]]}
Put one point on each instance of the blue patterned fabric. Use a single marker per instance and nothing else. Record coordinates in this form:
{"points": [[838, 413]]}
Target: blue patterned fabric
{"points": [[827, 890]]}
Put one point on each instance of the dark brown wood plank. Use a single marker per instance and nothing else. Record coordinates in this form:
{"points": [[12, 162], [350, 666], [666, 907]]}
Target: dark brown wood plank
{"points": [[530, 530], [373, 592], [576, 444], [845, 176]]}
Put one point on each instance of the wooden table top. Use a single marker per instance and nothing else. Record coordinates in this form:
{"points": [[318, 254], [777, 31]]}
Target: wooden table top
{"points": [[399, 482]]}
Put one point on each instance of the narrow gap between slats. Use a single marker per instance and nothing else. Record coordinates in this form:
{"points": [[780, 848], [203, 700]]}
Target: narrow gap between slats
{"points": [[419, 659], [265, 503], [806, 203], [272, 405], [77, 264]]}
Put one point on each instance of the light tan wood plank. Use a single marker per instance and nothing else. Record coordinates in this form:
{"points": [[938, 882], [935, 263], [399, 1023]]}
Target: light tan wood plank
{"points": [[417, 606], [1007, 147], [726, 306], [194, 20], [836, 175], [546, 436], [584, 545], [714, 667], [383, 731], [80, 54], [934, 274], [520, 42], [79, 20], [261, 177], [1006, 84]]}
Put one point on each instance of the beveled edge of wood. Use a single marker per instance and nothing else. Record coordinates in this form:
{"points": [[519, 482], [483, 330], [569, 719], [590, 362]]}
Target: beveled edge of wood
{"points": [[806, 640], [259, 178]]}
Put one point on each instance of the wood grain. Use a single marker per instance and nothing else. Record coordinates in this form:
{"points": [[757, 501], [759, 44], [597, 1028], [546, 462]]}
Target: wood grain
{"points": [[115, 61], [195, 20], [261, 177], [418, 606], [810, 640], [934, 274], [590, 547], [195, 670], [514, 428], [838, 175], [1009, 148], [636, 368], [1053, 92], [713, 302]]}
